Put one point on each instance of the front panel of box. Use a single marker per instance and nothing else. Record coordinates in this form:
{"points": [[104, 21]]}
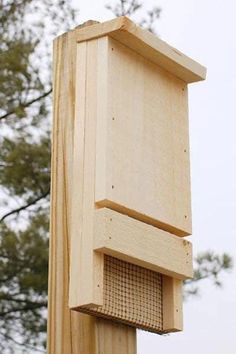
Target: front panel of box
{"points": [[143, 132]]}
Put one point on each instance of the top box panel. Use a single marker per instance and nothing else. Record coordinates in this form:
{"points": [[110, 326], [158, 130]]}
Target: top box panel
{"points": [[148, 45]]}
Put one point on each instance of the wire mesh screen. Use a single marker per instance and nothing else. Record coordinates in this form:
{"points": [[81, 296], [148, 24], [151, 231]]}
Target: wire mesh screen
{"points": [[132, 295]]}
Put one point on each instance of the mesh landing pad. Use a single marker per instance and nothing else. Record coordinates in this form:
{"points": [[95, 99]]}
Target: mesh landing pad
{"points": [[132, 295]]}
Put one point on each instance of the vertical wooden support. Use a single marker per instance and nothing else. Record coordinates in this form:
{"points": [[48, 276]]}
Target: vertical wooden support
{"points": [[70, 332], [172, 304]]}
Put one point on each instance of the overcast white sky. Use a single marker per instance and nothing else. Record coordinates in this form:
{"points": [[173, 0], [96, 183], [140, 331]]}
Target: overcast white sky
{"points": [[206, 31]]}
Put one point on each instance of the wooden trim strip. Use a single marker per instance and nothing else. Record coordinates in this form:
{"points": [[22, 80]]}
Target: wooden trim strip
{"points": [[172, 304]]}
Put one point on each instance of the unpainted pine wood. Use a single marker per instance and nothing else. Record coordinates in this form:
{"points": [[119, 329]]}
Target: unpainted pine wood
{"points": [[102, 123], [86, 267], [92, 95], [148, 45], [114, 338], [68, 331], [92, 111], [78, 173], [172, 304], [146, 166], [133, 241]]}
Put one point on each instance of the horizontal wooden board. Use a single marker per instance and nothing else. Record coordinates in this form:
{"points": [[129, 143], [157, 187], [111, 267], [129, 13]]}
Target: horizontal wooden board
{"points": [[148, 45], [133, 241]]}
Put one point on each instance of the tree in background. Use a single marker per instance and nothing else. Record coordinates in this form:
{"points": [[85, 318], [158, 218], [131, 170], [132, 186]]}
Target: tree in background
{"points": [[132, 8], [26, 32]]}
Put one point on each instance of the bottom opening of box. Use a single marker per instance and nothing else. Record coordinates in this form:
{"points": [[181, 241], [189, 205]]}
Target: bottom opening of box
{"points": [[132, 295]]}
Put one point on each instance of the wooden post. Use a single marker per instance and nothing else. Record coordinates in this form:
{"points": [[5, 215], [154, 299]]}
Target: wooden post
{"points": [[70, 332]]}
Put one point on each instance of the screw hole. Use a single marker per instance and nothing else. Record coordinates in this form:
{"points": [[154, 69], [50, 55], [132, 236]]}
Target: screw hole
{"points": [[112, 187], [185, 216], [185, 150]]}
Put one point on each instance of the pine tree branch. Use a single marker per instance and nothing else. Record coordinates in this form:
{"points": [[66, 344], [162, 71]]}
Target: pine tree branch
{"points": [[27, 104], [22, 309], [21, 344], [21, 301], [23, 207], [195, 280]]}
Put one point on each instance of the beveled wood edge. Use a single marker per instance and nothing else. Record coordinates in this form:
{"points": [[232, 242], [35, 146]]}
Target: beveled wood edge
{"points": [[148, 45]]}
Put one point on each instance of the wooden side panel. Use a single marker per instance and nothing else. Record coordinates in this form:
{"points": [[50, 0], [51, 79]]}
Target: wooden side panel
{"points": [[86, 267], [147, 148], [78, 172], [82, 261], [172, 304], [135, 242], [102, 122]]}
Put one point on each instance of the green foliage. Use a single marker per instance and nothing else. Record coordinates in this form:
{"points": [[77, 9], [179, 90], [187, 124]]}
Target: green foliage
{"points": [[208, 266], [24, 169], [23, 282], [25, 54], [17, 45]]}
